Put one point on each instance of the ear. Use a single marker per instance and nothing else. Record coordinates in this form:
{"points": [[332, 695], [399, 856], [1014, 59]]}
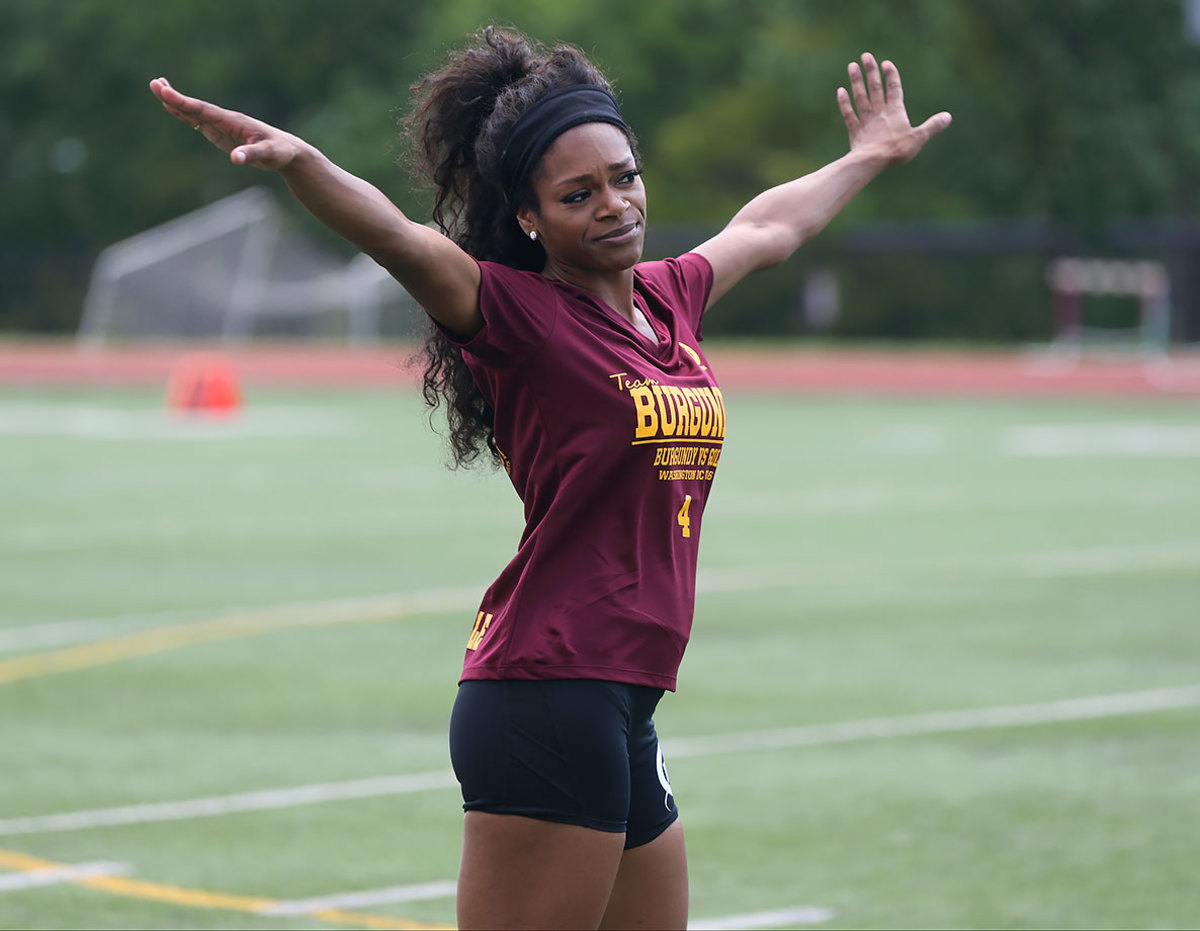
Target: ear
{"points": [[528, 220]]}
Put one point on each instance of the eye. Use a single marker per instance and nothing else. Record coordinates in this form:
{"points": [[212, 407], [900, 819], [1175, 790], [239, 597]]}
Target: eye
{"points": [[629, 177], [577, 198]]}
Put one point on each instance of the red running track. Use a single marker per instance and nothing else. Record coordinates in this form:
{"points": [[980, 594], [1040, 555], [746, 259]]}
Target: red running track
{"points": [[772, 370]]}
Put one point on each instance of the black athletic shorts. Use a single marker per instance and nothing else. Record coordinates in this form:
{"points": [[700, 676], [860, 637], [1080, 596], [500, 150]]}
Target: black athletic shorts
{"points": [[576, 751]]}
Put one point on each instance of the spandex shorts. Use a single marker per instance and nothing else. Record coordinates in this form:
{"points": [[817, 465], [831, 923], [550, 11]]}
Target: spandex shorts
{"points": [[576, 751]]}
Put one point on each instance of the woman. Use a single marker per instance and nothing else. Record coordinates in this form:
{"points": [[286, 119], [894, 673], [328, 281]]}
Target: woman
{"points": [[563, 356]]}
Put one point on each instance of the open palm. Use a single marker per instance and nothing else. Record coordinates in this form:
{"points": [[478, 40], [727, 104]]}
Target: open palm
{"points": [[874, 112]]}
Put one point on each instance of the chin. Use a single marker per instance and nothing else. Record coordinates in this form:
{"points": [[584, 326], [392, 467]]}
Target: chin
{"points": [[626, 258], [629, 253]]}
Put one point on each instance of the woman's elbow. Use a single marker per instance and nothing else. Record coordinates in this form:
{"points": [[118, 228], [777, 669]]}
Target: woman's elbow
{"points": [[778, 243]]}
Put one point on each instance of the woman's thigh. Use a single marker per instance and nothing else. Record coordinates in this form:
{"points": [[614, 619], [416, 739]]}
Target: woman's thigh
{"points": [[520, 872], [651, 888]]}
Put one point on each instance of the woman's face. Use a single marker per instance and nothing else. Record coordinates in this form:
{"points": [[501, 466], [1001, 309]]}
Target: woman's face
{"points": [[591, 202]]}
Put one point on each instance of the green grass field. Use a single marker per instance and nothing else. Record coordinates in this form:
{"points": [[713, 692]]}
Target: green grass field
{"points": [[200, 611]]}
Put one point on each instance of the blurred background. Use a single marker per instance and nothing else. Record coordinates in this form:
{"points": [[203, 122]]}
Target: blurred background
{"points": [[1076, 132], [945, 653]]}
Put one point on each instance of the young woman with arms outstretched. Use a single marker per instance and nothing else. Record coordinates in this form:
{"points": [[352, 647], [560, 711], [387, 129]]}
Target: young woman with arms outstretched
{"points": [[562, 355]]}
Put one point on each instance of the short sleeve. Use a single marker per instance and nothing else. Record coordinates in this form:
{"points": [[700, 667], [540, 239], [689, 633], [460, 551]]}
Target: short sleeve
{"points": [[682, 284], [518, 309]]}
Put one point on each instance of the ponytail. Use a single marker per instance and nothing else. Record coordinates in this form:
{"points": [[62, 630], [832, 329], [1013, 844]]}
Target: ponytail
{"points": [[462, 116]]}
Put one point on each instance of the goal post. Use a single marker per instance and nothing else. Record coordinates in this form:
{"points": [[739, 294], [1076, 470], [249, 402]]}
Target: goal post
{"points": [[234, 271]]}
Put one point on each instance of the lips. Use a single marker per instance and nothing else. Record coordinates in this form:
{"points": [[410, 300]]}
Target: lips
{"points": [[621, 233]]}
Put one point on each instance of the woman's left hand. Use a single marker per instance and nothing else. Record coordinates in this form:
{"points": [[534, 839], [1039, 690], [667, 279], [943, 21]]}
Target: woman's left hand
{"points": [[875, 117], [247, 141]]}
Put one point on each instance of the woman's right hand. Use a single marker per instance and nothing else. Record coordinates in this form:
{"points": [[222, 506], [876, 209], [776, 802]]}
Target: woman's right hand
{"points": [[247, 140]]}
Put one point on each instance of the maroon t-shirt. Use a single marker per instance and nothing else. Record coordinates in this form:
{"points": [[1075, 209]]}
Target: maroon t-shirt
{"points": [[611, 442]]}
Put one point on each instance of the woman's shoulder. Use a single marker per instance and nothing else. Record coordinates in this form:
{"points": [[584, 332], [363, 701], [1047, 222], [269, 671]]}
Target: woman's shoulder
{"points": [[673, 267], [686, 279], [500, 281], [519, 309]]}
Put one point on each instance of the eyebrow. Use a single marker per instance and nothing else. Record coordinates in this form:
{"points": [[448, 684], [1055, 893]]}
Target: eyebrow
{"points": [[579, 179]]}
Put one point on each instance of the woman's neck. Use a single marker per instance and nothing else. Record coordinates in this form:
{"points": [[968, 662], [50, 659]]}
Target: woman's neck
{"points": [[615, 288]]}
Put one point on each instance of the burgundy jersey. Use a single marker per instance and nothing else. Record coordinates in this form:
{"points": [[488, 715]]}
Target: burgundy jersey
{"points": [[611, 441]]}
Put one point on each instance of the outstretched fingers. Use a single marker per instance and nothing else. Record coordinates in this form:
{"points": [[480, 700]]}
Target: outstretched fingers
{"points": [[867, 93], [858, 90], [847, 108], [891, 77], [193, 111], [875, 116], [248, 141], [179, 106], [874, 81], [157, 87]]}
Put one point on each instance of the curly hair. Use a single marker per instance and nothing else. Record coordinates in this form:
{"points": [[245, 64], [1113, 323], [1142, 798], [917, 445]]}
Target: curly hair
{"points": [[461, 118]]}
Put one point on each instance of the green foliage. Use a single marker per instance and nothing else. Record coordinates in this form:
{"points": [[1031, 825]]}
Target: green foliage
{"points": [[1097, 98], [1076, 111]]}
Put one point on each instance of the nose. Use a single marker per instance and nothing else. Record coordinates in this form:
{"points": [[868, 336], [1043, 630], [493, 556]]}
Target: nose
{"points": [[611, 203]]}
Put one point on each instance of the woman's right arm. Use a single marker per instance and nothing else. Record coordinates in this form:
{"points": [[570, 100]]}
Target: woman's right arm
{"points": [[439, 275]]}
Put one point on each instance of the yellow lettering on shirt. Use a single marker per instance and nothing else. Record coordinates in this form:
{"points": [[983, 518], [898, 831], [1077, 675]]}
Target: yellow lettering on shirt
{"points": [[482, 623], [683, 416], [667, 416], [684, 519], [647, 418], [695, 356], [670, 416]]}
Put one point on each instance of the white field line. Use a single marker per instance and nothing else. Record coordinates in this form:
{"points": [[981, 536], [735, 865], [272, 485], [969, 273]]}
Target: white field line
{"points": [[12, 882], [1110, 560], [445, 889], [749, 506], [1049, 564], [267, 617], [776, 918], [740, 509], [64, 633], [93, 422], [253, 621], [420, 892], [264, 800], [1070, 563], [73, 537], [937, 722], [1137, 440]]}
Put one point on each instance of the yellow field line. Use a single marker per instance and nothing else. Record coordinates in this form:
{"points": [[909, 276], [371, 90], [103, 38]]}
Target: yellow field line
{"points": [[199, 898], [230, 626]]}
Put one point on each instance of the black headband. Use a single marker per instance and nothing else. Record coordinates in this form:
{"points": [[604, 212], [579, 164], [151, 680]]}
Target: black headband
{"points": [[548, 119]]}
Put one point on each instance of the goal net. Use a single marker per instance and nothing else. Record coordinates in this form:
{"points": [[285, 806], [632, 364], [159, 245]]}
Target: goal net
{"points": [[235, 271]]}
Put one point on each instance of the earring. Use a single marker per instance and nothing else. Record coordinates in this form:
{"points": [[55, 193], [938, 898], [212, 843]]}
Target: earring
{"points": [[533, 235]]}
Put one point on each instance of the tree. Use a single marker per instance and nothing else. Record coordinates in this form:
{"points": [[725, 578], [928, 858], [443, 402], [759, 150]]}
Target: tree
{"points": [[1074, 112]]}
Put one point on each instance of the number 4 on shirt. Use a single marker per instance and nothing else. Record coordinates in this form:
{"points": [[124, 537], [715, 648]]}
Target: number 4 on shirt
{"points": [[683, 519]]}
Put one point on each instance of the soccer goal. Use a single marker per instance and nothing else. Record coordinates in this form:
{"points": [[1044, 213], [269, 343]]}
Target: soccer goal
{"points": [[235, 271]]}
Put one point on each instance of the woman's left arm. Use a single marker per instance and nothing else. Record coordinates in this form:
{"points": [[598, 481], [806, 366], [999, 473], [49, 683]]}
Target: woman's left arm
{"points": [[777, 222]]}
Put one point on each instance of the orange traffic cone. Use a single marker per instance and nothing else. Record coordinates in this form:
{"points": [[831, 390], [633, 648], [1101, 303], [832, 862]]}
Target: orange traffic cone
{"points": [[204, 383]]}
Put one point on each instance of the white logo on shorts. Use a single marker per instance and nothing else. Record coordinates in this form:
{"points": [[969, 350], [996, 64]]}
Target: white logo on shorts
{"points": [[663, 778]]}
